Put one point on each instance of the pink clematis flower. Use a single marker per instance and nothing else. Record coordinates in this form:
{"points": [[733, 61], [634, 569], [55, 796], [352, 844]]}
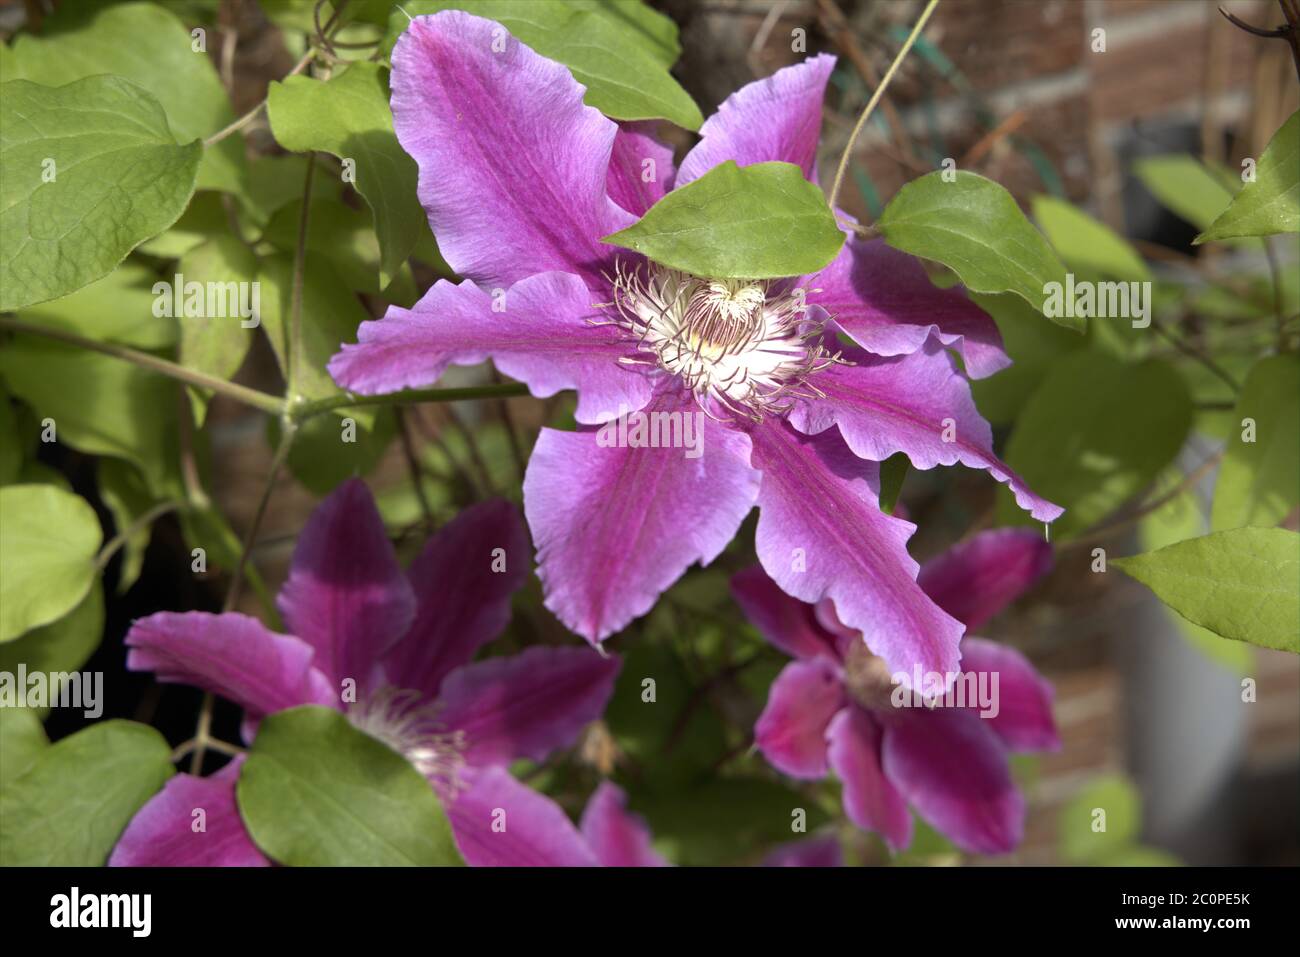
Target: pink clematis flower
{"points": [[836, 707], [521, 181], [392, 651]]}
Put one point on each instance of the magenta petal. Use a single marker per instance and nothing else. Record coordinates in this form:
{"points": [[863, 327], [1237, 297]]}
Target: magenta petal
{"points": [[615, 526], [165, 832], [616, 836], [231, 655], [512, 164], [499, 822], [786, 622], [776, 118], [346, 595], [976, 579], [918, 404], [526, 705], [463, 581], [791, 731], [1024, 700], [870, 800], [821, 534], [821, 851], [539, 331], [885, 301], [953, 769], [641, 168]]}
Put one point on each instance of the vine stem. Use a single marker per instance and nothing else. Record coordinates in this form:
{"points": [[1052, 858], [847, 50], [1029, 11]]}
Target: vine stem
{"points": [[251, 115], [1109, 529], [1181, 344], [121, 538], [202, 738], [293, 354], [875, 99], [299, 412], [306, 409], [146, 360]]}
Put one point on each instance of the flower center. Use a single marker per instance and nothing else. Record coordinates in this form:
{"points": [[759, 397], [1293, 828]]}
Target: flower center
{"points": [[407, 722], [867, 677], [748, 346]]}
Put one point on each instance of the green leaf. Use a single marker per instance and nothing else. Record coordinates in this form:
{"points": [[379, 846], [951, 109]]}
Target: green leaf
{"points": [[1182, 517], [217, 345], [275, 181], [1033, 346], [1243, 583], [1185, 186], [323, 456], [123, 490], [1259, 481], [117, 308], [757, 222], [62, 646], [11, 441], [654, 31], [204, 218], [71, 806], [22, 739], [1099, 821], [724, 820], [1138, 856], [100, 405], [150, 46], [47, 555], [621, 58], [343, 239], [349, 117], [315, 791], [1094, 434], [1271, 204], [673, 744], [119, 178], [1086, 244], [330, 316], [974, 227], [892, 473]]}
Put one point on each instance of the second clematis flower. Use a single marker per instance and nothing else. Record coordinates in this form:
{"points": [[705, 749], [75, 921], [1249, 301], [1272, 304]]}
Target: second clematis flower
{"points": [[838, 708], [392, 650], [521, 181]]}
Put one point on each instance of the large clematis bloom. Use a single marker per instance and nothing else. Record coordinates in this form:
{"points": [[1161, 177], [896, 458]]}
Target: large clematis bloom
{"points": [[836, 706], [392, 651], [520, 181]]}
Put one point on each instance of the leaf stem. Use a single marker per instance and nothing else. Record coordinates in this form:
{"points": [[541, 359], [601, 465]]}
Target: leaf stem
{"points": [[875, 99]]}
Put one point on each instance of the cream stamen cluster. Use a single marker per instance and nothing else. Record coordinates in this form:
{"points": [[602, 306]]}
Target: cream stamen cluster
{"points": [[746, 346], [407, 722]]}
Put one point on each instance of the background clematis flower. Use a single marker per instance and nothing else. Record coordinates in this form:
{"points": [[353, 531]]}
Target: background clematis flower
{"points": [[831, 708], [614, 837], [403, 642], [520, 181]]}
